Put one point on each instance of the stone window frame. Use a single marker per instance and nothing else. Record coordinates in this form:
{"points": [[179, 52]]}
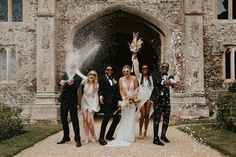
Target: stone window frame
{"points": [[10, 13], [8, 49], [230, 13], [229, 48]]}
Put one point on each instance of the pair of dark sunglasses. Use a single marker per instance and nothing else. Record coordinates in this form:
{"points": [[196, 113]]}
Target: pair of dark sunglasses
{"points": [[92, 74], [125, 71], [165, 66], [109, 69]]}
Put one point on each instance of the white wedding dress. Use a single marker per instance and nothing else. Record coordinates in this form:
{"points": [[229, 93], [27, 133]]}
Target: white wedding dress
{"points": [[126, 128]]}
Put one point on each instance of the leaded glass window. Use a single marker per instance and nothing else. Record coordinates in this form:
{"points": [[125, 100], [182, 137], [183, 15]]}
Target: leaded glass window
{"points": [[17, 10], [234, 64], [228, 65], [7, 64], [226, 9], [11, 10], [223, 9], [3, 10], [3, 64], [234, 9], [12, 65]]}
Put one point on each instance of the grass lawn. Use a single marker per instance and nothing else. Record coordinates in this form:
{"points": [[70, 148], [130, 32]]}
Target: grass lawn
{"points": [[32, 134], [222, 140]]}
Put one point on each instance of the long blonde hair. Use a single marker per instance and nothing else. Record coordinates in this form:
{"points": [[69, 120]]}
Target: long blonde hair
{"points": [[95, 82]]}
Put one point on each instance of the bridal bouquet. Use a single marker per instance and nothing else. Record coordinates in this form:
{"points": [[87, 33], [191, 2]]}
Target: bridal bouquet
{"points": [[130, 102], [136, 43]]}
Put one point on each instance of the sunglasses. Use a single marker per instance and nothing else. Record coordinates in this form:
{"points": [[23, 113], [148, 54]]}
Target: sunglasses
{"points": [[165, 66], [109, 69], [145, 68], [125, 71], [92, 74]]}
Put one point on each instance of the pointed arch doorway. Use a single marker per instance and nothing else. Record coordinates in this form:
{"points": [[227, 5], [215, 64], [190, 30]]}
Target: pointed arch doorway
{"points": [[114, 31]]}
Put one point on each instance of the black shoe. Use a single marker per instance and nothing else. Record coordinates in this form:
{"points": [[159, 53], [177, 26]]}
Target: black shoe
{"points": [[63, 141], [102, 141], [78, 144], [158, 142], [110, 138], [165, 139]]}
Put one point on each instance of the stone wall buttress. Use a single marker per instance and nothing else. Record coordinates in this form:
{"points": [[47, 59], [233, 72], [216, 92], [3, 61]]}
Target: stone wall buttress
{"points": [[45, 108], [193, 99]]}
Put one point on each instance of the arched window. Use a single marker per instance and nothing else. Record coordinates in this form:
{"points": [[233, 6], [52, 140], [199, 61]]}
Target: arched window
{"points": [[7, 64], [3, 64], [11, 10], [227, 64], [12, 65], [229, 58], [226, 9]]}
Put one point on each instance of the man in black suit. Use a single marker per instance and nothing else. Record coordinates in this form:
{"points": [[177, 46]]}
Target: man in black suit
{"points": [[161, 101], [109, 97], [68, 99]]}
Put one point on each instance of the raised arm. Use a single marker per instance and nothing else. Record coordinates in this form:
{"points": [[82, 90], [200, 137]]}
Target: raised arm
{"points": [[136, 66], [81, 75], [135, 86]]}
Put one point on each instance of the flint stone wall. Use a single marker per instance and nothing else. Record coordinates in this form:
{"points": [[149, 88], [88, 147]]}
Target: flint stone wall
{"points": [[22, 36]]}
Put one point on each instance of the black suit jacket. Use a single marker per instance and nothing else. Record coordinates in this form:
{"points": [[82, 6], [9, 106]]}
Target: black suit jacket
{"points": [[69, 92], [160, 92], [110, 93]]}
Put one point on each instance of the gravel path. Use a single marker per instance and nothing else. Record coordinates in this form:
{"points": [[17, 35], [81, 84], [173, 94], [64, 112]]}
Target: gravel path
{"points": [[181, 145]]}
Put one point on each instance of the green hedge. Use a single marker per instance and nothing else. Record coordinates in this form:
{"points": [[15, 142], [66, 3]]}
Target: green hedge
{"points": [[226, 105], [232, 87], [10, 121]]}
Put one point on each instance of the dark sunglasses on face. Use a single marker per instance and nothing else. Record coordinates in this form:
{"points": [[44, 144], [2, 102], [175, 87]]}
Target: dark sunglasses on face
{"points": [[109, 69], [92, 74], [125, 71], [165, 66]]}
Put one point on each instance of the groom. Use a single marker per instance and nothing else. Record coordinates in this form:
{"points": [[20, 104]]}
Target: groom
{"points": [[68, 100], [109, 97], [161, 101]]}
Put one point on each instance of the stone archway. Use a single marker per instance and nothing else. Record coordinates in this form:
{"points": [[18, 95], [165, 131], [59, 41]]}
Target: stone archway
{"points": [[114, 31]]}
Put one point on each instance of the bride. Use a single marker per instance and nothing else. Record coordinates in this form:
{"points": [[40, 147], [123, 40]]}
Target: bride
{"points": [[128, 89]]}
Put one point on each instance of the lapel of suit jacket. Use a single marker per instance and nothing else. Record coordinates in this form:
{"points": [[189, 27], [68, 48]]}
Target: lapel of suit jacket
{"points": [[107, 78]]}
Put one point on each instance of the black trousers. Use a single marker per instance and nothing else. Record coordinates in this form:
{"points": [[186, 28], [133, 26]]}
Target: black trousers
{"points": [[108, 113], [161, 109], [74, 118]]}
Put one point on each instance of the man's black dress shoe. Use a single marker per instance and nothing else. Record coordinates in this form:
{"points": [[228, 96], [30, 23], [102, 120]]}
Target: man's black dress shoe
{"points": [[78, 144], [158, 142], [63, 141], [110, 138], [102, 142], [165, 139]]}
